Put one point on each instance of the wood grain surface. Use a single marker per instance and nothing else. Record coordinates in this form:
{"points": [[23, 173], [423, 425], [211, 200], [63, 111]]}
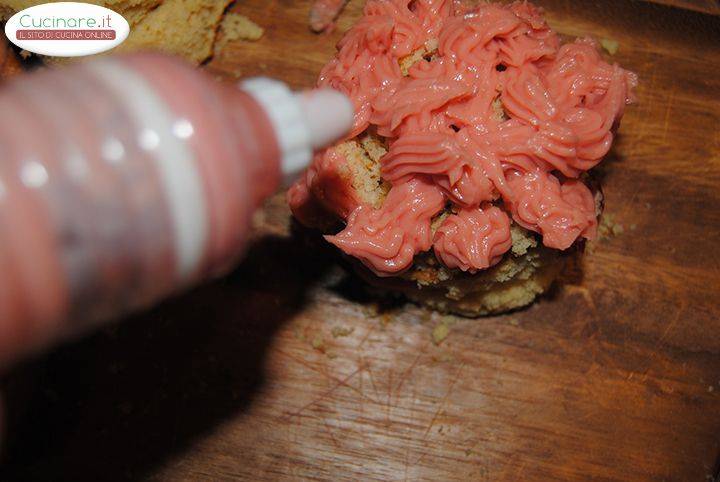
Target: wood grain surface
{"points": [[705, 6], [285, 370]]}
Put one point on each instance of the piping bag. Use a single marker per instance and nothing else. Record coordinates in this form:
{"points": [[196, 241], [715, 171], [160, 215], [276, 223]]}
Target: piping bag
{"points": [[125, 180]]}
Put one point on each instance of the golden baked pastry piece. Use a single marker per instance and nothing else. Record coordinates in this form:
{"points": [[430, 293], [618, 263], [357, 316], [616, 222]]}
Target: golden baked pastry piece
{"points": [[182, 27]]}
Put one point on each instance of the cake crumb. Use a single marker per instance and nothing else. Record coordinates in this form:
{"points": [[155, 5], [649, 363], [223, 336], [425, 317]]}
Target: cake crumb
{"points": [[611, 46], [608, 228], [423, 53], [318, 343], [522, 240], [385, 320], [440, 332], [340, 331], [238, 27], [371, 310], [444, 358]]}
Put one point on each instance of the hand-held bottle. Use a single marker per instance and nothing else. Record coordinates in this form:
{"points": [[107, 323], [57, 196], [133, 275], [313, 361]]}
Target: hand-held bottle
{"points": [[125, 179]]}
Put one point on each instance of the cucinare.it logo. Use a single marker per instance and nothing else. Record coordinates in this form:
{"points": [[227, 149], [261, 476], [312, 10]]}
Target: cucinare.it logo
{"points": [[67, 29]]}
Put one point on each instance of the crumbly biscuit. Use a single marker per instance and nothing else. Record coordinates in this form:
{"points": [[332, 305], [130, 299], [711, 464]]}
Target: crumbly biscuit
{"points": [[237, 27], [525, 272], [182, 27]]}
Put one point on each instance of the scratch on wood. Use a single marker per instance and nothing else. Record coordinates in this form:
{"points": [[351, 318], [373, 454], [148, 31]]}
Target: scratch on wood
{"points": [[327, 393], [520, 470], [671, 325], [407, 461], [656, 350], [647, 108], [408, 371], [328, 376], [441, 407], [389, 401], [668, 108], [367, 335], [330, 432], [361, 385], [586, 295], [372, 381]]}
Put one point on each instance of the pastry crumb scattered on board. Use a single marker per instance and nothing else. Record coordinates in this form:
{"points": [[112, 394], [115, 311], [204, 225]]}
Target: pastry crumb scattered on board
{"points": [[235, 26], [340, 331], [385, 320], [371, 310], [608, 228], [439, 333], [442, 328], [611, 46], [318, 343], [445, 358]]}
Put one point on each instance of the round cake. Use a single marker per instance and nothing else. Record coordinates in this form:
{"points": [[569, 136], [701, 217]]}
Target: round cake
{"points": [[464, 183]]}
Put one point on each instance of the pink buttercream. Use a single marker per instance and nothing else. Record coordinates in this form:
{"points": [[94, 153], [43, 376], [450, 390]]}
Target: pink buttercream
{"points": [[388, 239], [447, 143], [473, 239]]}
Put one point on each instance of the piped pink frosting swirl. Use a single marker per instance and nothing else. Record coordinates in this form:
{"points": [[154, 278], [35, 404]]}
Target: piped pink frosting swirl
{"points": [[473, 239], [388, 239], [449, 144]]}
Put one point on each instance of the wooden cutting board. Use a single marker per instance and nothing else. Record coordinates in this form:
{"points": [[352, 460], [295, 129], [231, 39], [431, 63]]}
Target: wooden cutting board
{"points": [[286, 371]]}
